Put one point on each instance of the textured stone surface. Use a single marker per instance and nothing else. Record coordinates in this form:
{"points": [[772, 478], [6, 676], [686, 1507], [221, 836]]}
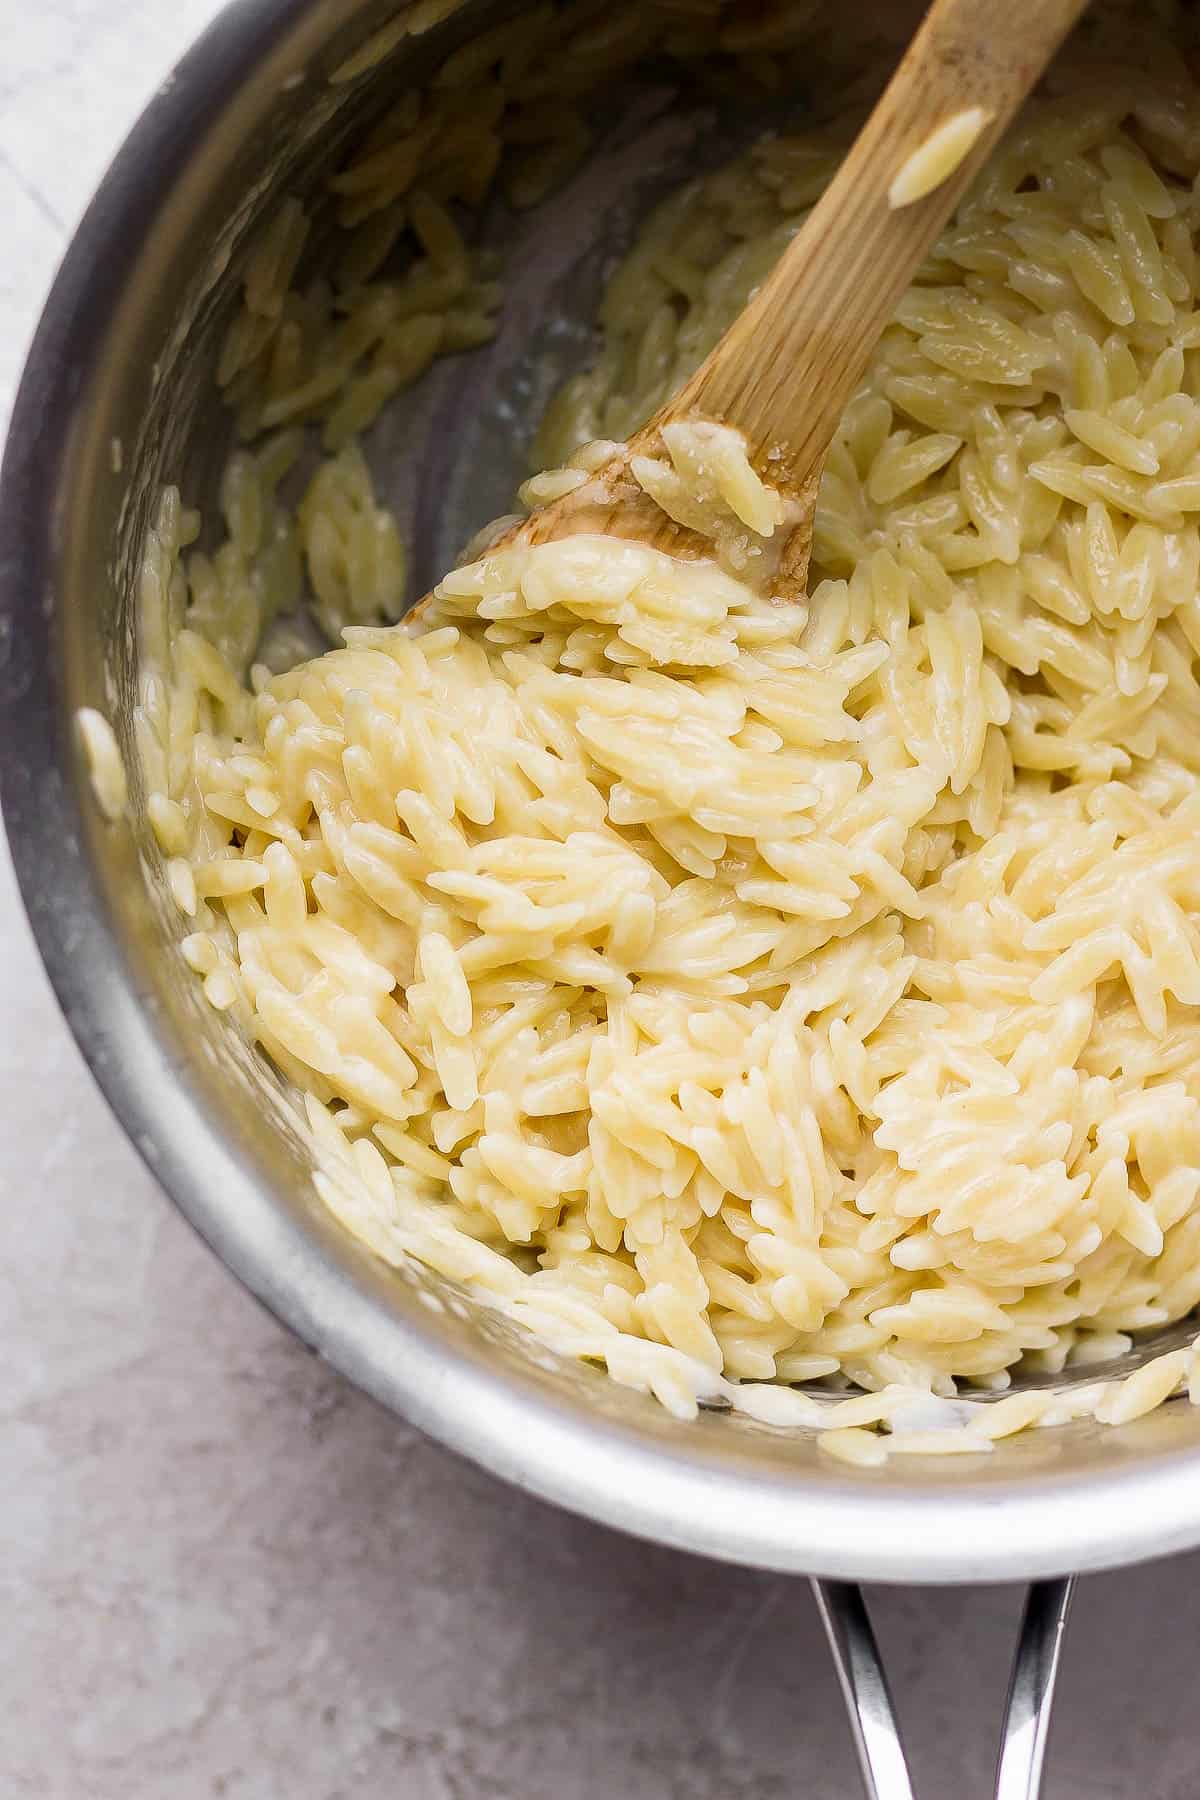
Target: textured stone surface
{"points": [[223, 1572]]}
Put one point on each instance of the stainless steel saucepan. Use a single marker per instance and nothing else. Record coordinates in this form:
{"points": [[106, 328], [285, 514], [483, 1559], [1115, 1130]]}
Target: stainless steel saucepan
{"points": [[117, 398]]}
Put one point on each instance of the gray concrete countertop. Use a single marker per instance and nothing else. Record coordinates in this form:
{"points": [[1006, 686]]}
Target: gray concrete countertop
{"points": [[225, 1573]]}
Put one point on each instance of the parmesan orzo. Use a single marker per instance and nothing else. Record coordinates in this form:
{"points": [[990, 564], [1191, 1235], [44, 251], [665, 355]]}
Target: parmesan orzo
{"points": [[740, 994]]}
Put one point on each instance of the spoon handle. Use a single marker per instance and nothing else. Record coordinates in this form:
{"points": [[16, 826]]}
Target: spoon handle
{"points": [[785, 369]]}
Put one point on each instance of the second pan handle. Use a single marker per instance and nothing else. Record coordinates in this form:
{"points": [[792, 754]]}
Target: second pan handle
{"points": [[868, 1699]]}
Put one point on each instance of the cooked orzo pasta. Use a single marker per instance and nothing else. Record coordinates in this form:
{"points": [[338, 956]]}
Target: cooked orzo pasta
{"points": [[740, 994]]}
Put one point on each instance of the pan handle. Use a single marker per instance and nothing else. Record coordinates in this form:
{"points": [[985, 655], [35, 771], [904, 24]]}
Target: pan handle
{"points": [[877, 1741], [1031, 1688]]}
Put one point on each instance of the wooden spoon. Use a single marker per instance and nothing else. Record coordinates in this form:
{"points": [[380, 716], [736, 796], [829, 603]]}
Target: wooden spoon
{"points": [[786, 367]]}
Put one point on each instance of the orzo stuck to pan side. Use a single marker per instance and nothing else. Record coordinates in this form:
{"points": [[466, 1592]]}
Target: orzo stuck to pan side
{"points": [[739, 994]]}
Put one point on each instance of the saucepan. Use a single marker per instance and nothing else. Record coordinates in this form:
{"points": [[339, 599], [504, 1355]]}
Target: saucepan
{"points": [[117, 398]]}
